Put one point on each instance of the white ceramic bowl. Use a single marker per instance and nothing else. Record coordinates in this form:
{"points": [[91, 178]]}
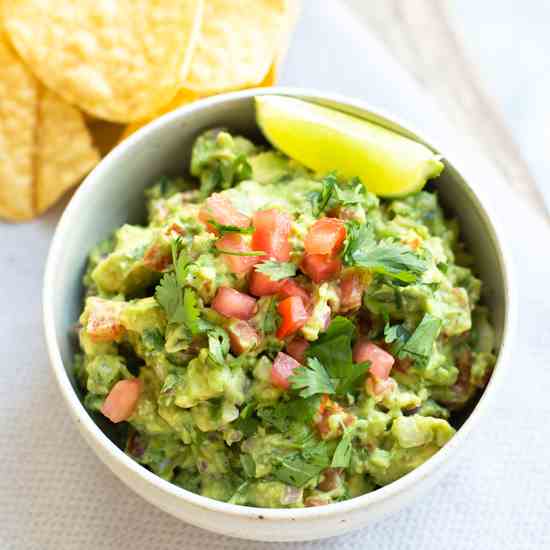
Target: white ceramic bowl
{"points": [[113, 194]]}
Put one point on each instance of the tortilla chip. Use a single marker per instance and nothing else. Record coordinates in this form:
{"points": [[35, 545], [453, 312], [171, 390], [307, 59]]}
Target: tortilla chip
{"points": [[237, 44], [64, 150], [18, 117], [45, 147], [119, 61]]}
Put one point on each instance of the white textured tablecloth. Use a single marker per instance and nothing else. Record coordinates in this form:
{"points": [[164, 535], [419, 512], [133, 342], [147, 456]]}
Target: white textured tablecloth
{"points": [[54, 492]]}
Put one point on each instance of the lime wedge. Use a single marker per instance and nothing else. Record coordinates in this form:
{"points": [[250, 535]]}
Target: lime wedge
{"points": [[323, 139]]}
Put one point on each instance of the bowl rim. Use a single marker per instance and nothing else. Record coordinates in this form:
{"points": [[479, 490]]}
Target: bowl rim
{"points": [[82, 417]]}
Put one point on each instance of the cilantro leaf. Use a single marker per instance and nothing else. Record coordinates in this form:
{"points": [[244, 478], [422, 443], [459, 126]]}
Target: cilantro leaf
{"points": [[180, 260], [342, 454], [353, 194], [312, 379], [281, 415], [169, 297], [420, 345], [352, 375], [190, 312], [334, 350], [295, 470], [223, 229], [277, 271], [396, 335], [392, 260], [268, 316], [333, 347], [179, 307], [320, 199]]}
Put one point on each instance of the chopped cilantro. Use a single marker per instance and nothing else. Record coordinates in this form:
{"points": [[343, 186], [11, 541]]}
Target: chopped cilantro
{"points": [[320, 199], [191, 312], [312, 379], [396, 335], [333, 347], [271, 318], [180, 260], [294, 470], [420, 345], [334, 350], [277, 271], [169, 296], [392, 260], [223, 229], [342, 454]]}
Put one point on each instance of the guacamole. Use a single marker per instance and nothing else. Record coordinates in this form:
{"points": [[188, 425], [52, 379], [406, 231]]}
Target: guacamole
{"points": [[278, 338]]}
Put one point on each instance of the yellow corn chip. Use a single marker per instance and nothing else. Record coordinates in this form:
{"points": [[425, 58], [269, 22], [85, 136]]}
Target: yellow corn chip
{"points": [[63, 148], [118, 60], [18, 114], [45, 147], [237, 44]]}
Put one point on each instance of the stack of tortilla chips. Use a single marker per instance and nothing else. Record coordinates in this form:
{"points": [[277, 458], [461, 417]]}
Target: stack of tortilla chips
{"points": [[76, 77]]}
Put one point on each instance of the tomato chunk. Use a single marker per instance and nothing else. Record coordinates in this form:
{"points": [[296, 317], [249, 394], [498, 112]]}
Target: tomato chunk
{"points": [[104, 324], [222, 211], [242, 337], [121, 402], [351, 292], [282, 368], [381, 361], [272, 229], [294, 315], [234, 242], [297, 349], [320, 267], [292, 288], [261, 285], [325, 236], [232, 303], [156, 258]]}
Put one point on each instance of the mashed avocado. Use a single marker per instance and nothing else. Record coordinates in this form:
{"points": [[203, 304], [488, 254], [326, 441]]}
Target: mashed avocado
{"points": [[278, 338]]}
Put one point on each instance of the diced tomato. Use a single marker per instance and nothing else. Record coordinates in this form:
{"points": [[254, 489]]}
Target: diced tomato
{"points": [[292, 288], [242, 336], [222, 211], [381, 361], [272, 229], [325, 236], [282, 368], [294, 315], [232, 303], [351, 292], [234, 242], [156, 258], [261, 285], [104, 324], [121, 402], [297, 349], [320, 267]]}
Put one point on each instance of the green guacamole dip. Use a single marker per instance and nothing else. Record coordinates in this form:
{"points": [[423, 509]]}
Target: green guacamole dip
{"points": [[278, 338]]}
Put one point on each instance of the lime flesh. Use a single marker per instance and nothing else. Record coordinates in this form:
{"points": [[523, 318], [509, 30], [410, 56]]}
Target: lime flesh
{"points": [[390, 165]]}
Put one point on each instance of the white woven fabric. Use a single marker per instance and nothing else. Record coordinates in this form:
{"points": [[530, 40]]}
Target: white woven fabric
{"points": [[55, 494]]}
